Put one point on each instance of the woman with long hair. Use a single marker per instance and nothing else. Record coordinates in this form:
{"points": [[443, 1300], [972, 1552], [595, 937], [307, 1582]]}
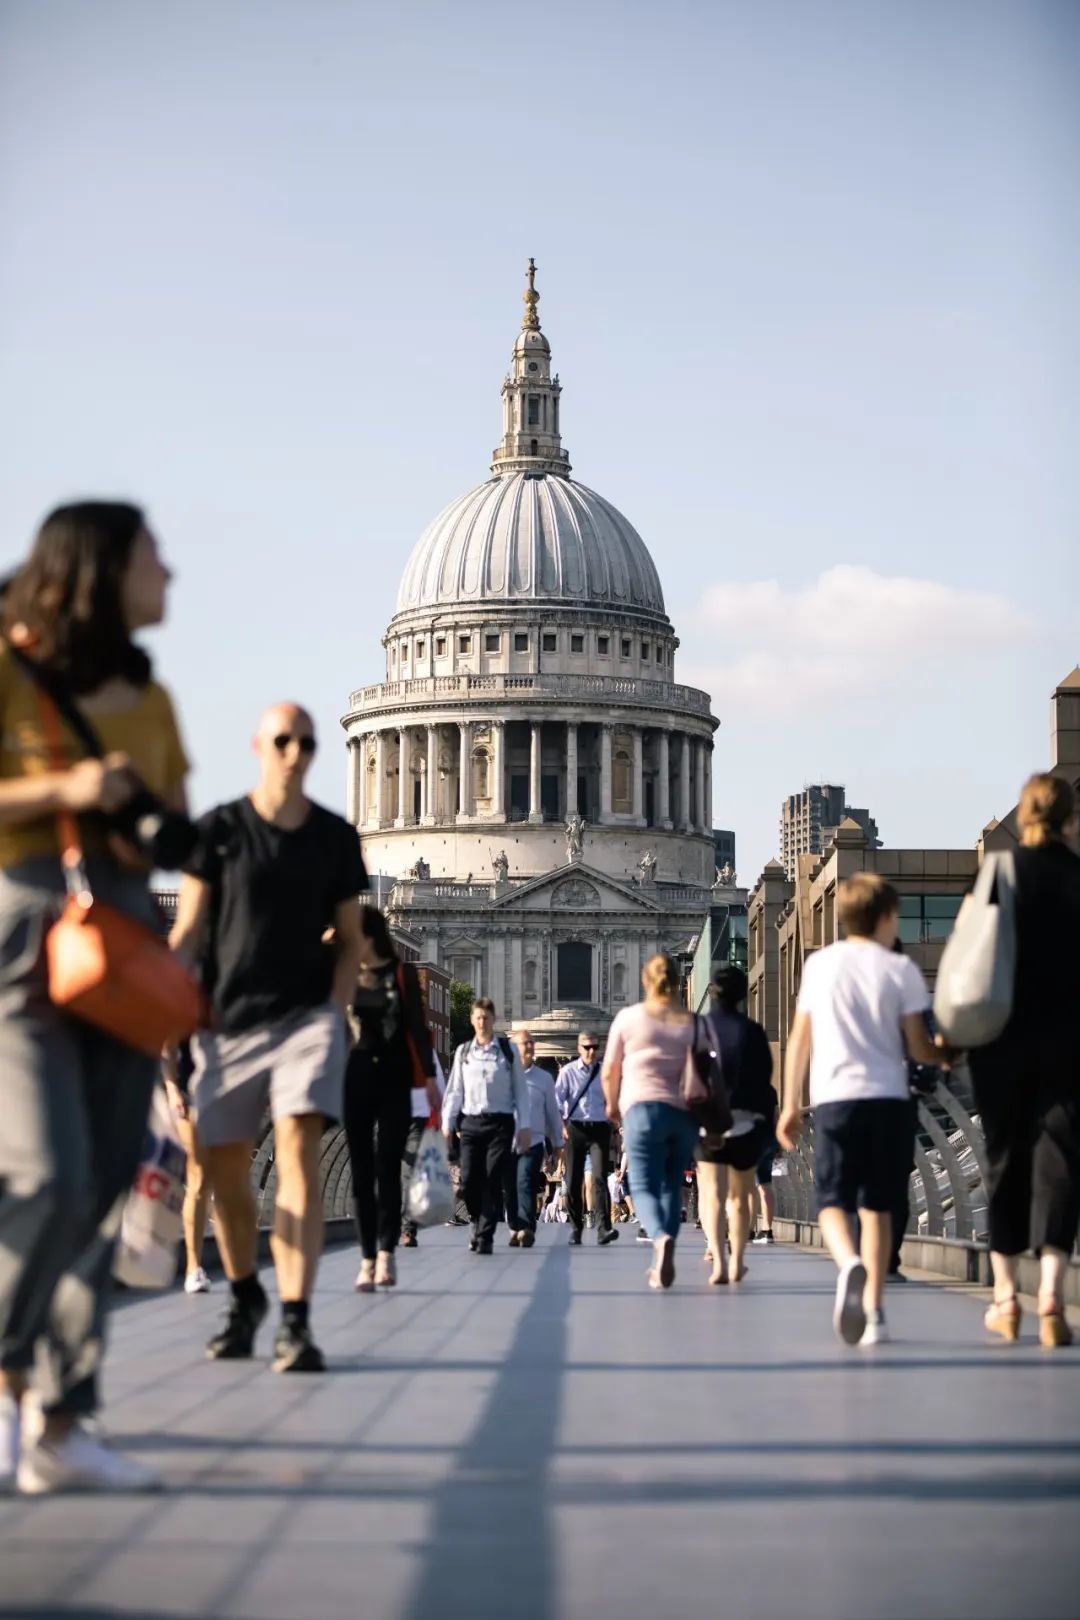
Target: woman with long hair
{"points": [[726, 1178], [1027, 1082], [74, 1100], [644, 1062], [391, 1056]]}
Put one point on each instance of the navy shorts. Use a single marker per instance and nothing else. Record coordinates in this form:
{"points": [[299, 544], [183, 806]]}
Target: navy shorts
{"points": [[861, 1153], [765, 1163]]}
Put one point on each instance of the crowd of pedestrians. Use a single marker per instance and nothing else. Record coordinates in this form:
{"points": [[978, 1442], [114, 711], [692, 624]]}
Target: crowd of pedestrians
{"points": [[311, 1016]]}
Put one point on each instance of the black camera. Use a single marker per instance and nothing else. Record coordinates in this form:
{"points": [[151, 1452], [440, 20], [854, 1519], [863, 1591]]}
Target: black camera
{"points": [[164, 837]]}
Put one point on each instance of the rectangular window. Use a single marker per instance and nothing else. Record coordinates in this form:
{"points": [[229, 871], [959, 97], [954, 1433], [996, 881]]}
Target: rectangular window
{"points": [[534, 411], [521, 641], [577, 644], [551, 641], [440, 646], [645, 650], [626, 646], [419, 649], [464, 644], [491, 641], [659, 655], [925, 917], [602, 645]]}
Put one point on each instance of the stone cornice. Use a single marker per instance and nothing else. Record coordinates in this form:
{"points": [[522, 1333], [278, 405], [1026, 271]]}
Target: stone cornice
{"points": [[447, 697]]}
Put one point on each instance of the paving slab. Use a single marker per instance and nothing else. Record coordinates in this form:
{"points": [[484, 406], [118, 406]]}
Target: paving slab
{"points": [[537, 1436]]}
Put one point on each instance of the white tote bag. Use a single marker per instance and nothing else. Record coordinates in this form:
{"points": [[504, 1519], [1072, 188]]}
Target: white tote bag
{"points": [[151, 1225], [973, 997], [430, 1200]]}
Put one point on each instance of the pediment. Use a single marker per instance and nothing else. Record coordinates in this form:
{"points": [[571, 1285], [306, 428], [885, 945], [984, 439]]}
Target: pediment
{"points": [[576, 888]]}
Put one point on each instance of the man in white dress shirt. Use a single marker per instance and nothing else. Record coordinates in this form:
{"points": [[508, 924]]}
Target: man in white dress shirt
{"points": [[544, 1121], [587, 1132], [486, 1090]]}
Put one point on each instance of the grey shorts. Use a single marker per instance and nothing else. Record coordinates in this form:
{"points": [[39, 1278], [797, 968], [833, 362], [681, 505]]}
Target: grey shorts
{"points": [[296, 1064]]}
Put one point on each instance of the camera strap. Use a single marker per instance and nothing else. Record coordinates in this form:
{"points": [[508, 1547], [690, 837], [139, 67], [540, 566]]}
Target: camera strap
{"points": [[47, 681]]}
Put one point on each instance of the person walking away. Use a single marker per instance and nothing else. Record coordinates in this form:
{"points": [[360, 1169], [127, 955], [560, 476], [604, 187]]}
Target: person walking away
{"points": [[766, 1196], [647, 1049], [1027, 1082], [392, 1054], [422, 1112], [859, 1007], [272, 872], [587, 1133], [75, 1101], [486, 1089], [544, 1123], [726, 1166], [177, 1067]]}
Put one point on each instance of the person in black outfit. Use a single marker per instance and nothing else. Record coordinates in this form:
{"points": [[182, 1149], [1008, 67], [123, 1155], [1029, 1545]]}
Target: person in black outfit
{"points": [[1027, 1082], [391, 1056], [726, 1168]]}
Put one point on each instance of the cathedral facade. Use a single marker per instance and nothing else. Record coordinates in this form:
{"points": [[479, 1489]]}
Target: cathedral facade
{"points": [[529, 771]]}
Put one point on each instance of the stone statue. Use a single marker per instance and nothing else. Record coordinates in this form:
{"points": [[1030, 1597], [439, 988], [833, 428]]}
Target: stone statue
{"points": [[726, 877], [575, 838], [647, 866], [500, 866], [420, 871]]}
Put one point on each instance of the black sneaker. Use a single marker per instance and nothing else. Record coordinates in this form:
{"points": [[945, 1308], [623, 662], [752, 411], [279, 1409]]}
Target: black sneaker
{"points": [[296, 1351], [575, 1239], [484, 1246], [764, 1237], [608, 1235], [236, 1340]]}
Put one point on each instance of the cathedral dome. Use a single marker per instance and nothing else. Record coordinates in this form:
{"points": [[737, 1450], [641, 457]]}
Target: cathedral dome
{"points": [[530, 536]]}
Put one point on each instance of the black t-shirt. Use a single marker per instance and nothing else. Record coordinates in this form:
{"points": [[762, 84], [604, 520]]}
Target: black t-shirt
{"points": [[274, 893]]}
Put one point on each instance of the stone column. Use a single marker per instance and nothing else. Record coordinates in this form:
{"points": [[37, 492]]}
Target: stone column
{"points": [[684, 782], [571, 769], [499, 767], [380, 778], [352, 807], [708, 788], [361, 782], [431, 787], [403, 805], [605, 773], [464, 770], [663, 797], [535, 812], [699, 786], [638, 800]]}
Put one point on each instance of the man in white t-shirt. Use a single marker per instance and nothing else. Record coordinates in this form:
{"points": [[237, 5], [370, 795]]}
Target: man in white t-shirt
{"points": [[859, 1019]]}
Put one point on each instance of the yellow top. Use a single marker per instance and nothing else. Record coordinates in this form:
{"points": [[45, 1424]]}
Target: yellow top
{"points": [[147, 733]]}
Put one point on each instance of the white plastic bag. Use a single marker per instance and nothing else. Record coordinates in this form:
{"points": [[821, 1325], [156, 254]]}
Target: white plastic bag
{"points": [[430, 1200], [151, 1226], [973, 996]]}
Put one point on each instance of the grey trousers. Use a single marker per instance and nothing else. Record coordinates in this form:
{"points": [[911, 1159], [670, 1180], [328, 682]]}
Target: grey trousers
{"points": [[73, 1112]]}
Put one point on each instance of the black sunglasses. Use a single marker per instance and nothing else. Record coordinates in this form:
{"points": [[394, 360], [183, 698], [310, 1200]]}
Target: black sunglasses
{"points": [[588, 1046], [306, 745]]}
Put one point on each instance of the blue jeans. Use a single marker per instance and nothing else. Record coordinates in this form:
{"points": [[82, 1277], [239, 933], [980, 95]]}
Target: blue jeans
{"points": [[524, 1186], [659, 1142]]}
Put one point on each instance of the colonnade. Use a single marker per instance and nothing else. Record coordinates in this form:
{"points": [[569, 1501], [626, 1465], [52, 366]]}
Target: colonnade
{"points": [[679, 768]]}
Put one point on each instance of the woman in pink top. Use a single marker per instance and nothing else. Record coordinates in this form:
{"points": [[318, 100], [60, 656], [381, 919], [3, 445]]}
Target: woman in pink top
{"points": [[643, 1070]]}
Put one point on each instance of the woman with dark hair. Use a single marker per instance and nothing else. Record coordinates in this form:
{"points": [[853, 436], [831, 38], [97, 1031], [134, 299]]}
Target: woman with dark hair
{"points": [[1027, 1082], [74, 1100], [391, 1056], [726, 1166]]}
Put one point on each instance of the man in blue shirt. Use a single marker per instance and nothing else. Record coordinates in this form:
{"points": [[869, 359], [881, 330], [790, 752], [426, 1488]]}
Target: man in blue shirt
{"points": [[587, 1132]]}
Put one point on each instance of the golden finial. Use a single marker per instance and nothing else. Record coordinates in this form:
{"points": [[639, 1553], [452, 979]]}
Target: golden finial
{"points": [[531, 323]]}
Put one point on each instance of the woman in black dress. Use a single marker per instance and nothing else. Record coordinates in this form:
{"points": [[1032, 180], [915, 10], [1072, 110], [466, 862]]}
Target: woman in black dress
{"points": [[392, 1054], [1027, 1082]]}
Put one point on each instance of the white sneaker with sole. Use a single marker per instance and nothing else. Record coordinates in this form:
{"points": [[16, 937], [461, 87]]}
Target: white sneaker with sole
{"points": [[80, 1462], [849, 1314], [10, 1427], [197, 1282], [876, 1330]]}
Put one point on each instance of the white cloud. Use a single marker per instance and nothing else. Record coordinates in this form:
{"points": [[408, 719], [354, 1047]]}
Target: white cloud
{"points": [[847, 634]]}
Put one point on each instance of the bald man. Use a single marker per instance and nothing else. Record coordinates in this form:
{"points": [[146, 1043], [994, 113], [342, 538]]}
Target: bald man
{"points": [[271, 875]]}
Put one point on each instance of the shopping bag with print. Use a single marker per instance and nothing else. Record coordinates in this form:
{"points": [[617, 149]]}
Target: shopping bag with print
{"points": [[151, 1224], [430, 1200], [973, 996]]}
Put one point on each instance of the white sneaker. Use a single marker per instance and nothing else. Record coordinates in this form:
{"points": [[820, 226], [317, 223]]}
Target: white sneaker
{"points": [[80, 1462], [876, 1330], [197, 1282], [9, 1442], [849, 1314]]}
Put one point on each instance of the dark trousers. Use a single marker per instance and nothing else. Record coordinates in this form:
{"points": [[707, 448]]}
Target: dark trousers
{"points": [[378, 1107], [417, 1127], [1030, 1106], [525, 1186], [583, 1141], [901, 1211], [486, 1146]]}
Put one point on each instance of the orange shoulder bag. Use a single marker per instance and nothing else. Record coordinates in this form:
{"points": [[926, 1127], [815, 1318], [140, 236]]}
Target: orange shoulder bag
{"points": [[103, 966]]}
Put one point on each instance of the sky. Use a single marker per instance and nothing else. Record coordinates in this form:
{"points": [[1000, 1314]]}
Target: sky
{"points": [[809, 273]]}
